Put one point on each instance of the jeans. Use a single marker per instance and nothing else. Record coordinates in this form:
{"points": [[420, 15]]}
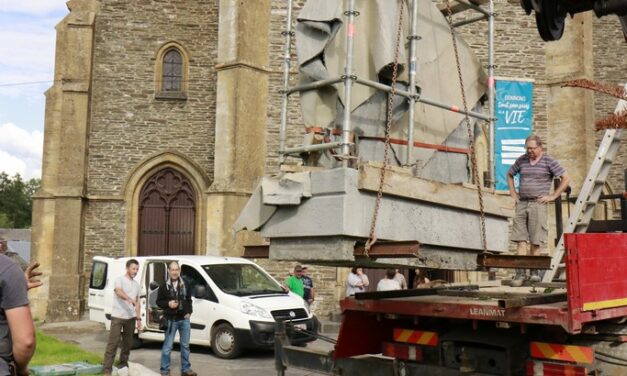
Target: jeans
{"points": [[184, 328], [124, 328]]}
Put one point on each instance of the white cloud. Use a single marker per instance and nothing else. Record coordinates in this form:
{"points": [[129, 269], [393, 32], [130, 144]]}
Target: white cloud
{"points": [[27, 50], [34, 7], [20, 151]]}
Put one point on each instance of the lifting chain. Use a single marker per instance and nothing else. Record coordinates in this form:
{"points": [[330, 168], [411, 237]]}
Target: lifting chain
{"points": [[471, 143], [372, 237]]}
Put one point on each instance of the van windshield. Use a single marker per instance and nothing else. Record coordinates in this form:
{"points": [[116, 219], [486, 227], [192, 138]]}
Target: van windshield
{"points": [[242, 279]]}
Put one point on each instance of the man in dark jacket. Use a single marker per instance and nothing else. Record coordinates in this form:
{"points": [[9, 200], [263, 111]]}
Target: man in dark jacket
{"points": [[175, 298]]}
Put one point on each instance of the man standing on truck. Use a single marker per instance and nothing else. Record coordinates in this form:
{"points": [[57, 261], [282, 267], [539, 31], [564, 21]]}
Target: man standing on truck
{"points": [[125, 316], [537, 171], [176, 301]]}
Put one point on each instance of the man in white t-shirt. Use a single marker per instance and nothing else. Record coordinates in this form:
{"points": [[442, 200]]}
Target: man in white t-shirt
{"points": [[389, 283], [125, 317]]}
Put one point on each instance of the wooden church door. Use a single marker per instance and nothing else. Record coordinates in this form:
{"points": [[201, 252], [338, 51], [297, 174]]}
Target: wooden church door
{"points": [[167, 215]]}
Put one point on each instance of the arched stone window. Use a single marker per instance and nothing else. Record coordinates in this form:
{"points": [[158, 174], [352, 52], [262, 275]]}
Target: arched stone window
{"points": [[172, 77], [167, 215], [171, 72]]}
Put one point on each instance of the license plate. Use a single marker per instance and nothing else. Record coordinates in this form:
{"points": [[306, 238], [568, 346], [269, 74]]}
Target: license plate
{"points": [[300, 326]]}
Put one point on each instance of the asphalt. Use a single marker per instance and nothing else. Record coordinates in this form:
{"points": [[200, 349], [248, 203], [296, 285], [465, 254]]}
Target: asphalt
{"points": [[93, 337]]}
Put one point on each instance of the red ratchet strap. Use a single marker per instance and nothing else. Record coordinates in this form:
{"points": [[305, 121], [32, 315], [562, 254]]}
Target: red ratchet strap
{"points": [[448, 149]]}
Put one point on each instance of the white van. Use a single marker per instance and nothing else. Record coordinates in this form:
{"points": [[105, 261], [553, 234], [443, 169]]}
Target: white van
{"points": [[235, 302]]}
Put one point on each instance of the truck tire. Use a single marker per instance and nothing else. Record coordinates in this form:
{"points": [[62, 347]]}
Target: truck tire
{"points": [[224, 342], [611, 357]]}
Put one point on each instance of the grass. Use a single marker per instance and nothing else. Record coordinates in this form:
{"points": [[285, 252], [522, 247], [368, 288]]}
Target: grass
{"points": [[51, 351]]}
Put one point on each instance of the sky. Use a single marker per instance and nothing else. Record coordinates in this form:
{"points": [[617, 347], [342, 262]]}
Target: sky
{"points": [[27, 41]]}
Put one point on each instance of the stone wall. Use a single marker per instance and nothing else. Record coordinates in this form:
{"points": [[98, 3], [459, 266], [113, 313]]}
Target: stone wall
{"points": [[128, 125], [610, 67]]}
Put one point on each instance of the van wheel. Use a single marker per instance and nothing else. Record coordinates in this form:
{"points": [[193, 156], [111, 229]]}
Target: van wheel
{"points": [[137, 342], [224, 343]]}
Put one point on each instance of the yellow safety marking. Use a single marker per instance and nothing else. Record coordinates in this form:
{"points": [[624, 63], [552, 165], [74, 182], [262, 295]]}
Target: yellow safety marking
{"points": [[578, 355], [404, 335], [591, 306]]}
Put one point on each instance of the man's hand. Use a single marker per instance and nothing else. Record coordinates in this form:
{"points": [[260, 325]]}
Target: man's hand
{"points": [[187, 316], [545, 199], [173, 304], [138, 323], [131, 302], [515, 196], [31, 273]]}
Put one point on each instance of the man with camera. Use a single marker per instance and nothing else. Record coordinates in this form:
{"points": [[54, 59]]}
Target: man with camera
{"points": [[175, 299]]}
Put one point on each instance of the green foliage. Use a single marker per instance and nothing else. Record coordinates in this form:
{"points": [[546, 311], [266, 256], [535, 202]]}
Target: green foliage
{"points": [[51, 351], [16, 202]]}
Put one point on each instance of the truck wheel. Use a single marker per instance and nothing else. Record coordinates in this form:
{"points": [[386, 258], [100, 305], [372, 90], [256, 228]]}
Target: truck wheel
{"points": [[224, 342], [611, 357]]}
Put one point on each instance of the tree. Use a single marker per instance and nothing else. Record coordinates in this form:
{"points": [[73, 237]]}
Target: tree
{"points": [[16, 201]]}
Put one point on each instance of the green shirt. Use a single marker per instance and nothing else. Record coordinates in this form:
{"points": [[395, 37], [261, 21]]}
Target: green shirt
{"points": [[295, 285]]}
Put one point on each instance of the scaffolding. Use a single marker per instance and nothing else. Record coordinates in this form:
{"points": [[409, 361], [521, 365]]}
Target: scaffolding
{"points": [[412, 95]]}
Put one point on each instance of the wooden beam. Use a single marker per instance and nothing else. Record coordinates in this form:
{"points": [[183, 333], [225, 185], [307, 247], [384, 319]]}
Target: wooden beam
{"points": [[514, 261], [399, 182], [389, 250]]}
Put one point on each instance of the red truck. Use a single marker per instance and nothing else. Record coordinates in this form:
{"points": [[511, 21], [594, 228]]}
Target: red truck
{"points": [[573, 328]]}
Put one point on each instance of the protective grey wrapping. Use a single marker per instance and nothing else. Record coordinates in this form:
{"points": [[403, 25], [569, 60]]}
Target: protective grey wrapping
{"points": [[321, 46]]}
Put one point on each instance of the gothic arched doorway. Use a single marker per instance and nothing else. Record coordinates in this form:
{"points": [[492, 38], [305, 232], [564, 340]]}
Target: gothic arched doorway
{"points": [[167, 215]]}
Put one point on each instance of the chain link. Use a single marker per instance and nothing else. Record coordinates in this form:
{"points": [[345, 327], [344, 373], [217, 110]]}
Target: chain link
{"points": [[386, 151], [473, 156]]}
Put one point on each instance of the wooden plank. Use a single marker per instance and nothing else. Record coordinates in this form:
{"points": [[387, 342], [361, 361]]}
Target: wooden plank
{"points": [[514, 261], [399, 182], [516, 302]]}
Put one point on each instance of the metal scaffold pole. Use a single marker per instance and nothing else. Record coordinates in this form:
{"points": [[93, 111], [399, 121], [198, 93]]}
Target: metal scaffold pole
{"points": [[348, 80], [413, 39], [287, 33], [491, 88]]}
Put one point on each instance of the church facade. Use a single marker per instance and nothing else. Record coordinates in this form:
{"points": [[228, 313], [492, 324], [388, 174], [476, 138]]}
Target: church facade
{"points": [[164, 114]]}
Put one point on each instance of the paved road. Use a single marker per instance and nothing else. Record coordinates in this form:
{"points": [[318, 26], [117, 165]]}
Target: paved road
{"points": [[93, 337]]}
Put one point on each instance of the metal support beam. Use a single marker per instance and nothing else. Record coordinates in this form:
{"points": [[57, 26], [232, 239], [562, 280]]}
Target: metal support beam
{"points": [[413, 38], [256, 251], [348, 80], [514, 261], [469, 21], [287, 56], [412, 293], [316, 147], [389, 249]]}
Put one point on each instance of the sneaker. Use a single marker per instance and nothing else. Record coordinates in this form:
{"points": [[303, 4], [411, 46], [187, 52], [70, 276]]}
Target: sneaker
{"points": [[534, 276], [189, 373], [123, 371], [519, 278]]}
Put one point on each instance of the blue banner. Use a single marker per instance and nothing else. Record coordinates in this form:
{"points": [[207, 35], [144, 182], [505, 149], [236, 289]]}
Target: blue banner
{"points": [[514, 119]]}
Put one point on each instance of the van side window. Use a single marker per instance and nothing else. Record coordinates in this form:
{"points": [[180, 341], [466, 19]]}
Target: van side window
{"points": [[192, 278], [98, 278]]}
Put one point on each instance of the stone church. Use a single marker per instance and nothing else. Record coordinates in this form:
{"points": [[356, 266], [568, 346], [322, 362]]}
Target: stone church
{"points": [[164, 114]]}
